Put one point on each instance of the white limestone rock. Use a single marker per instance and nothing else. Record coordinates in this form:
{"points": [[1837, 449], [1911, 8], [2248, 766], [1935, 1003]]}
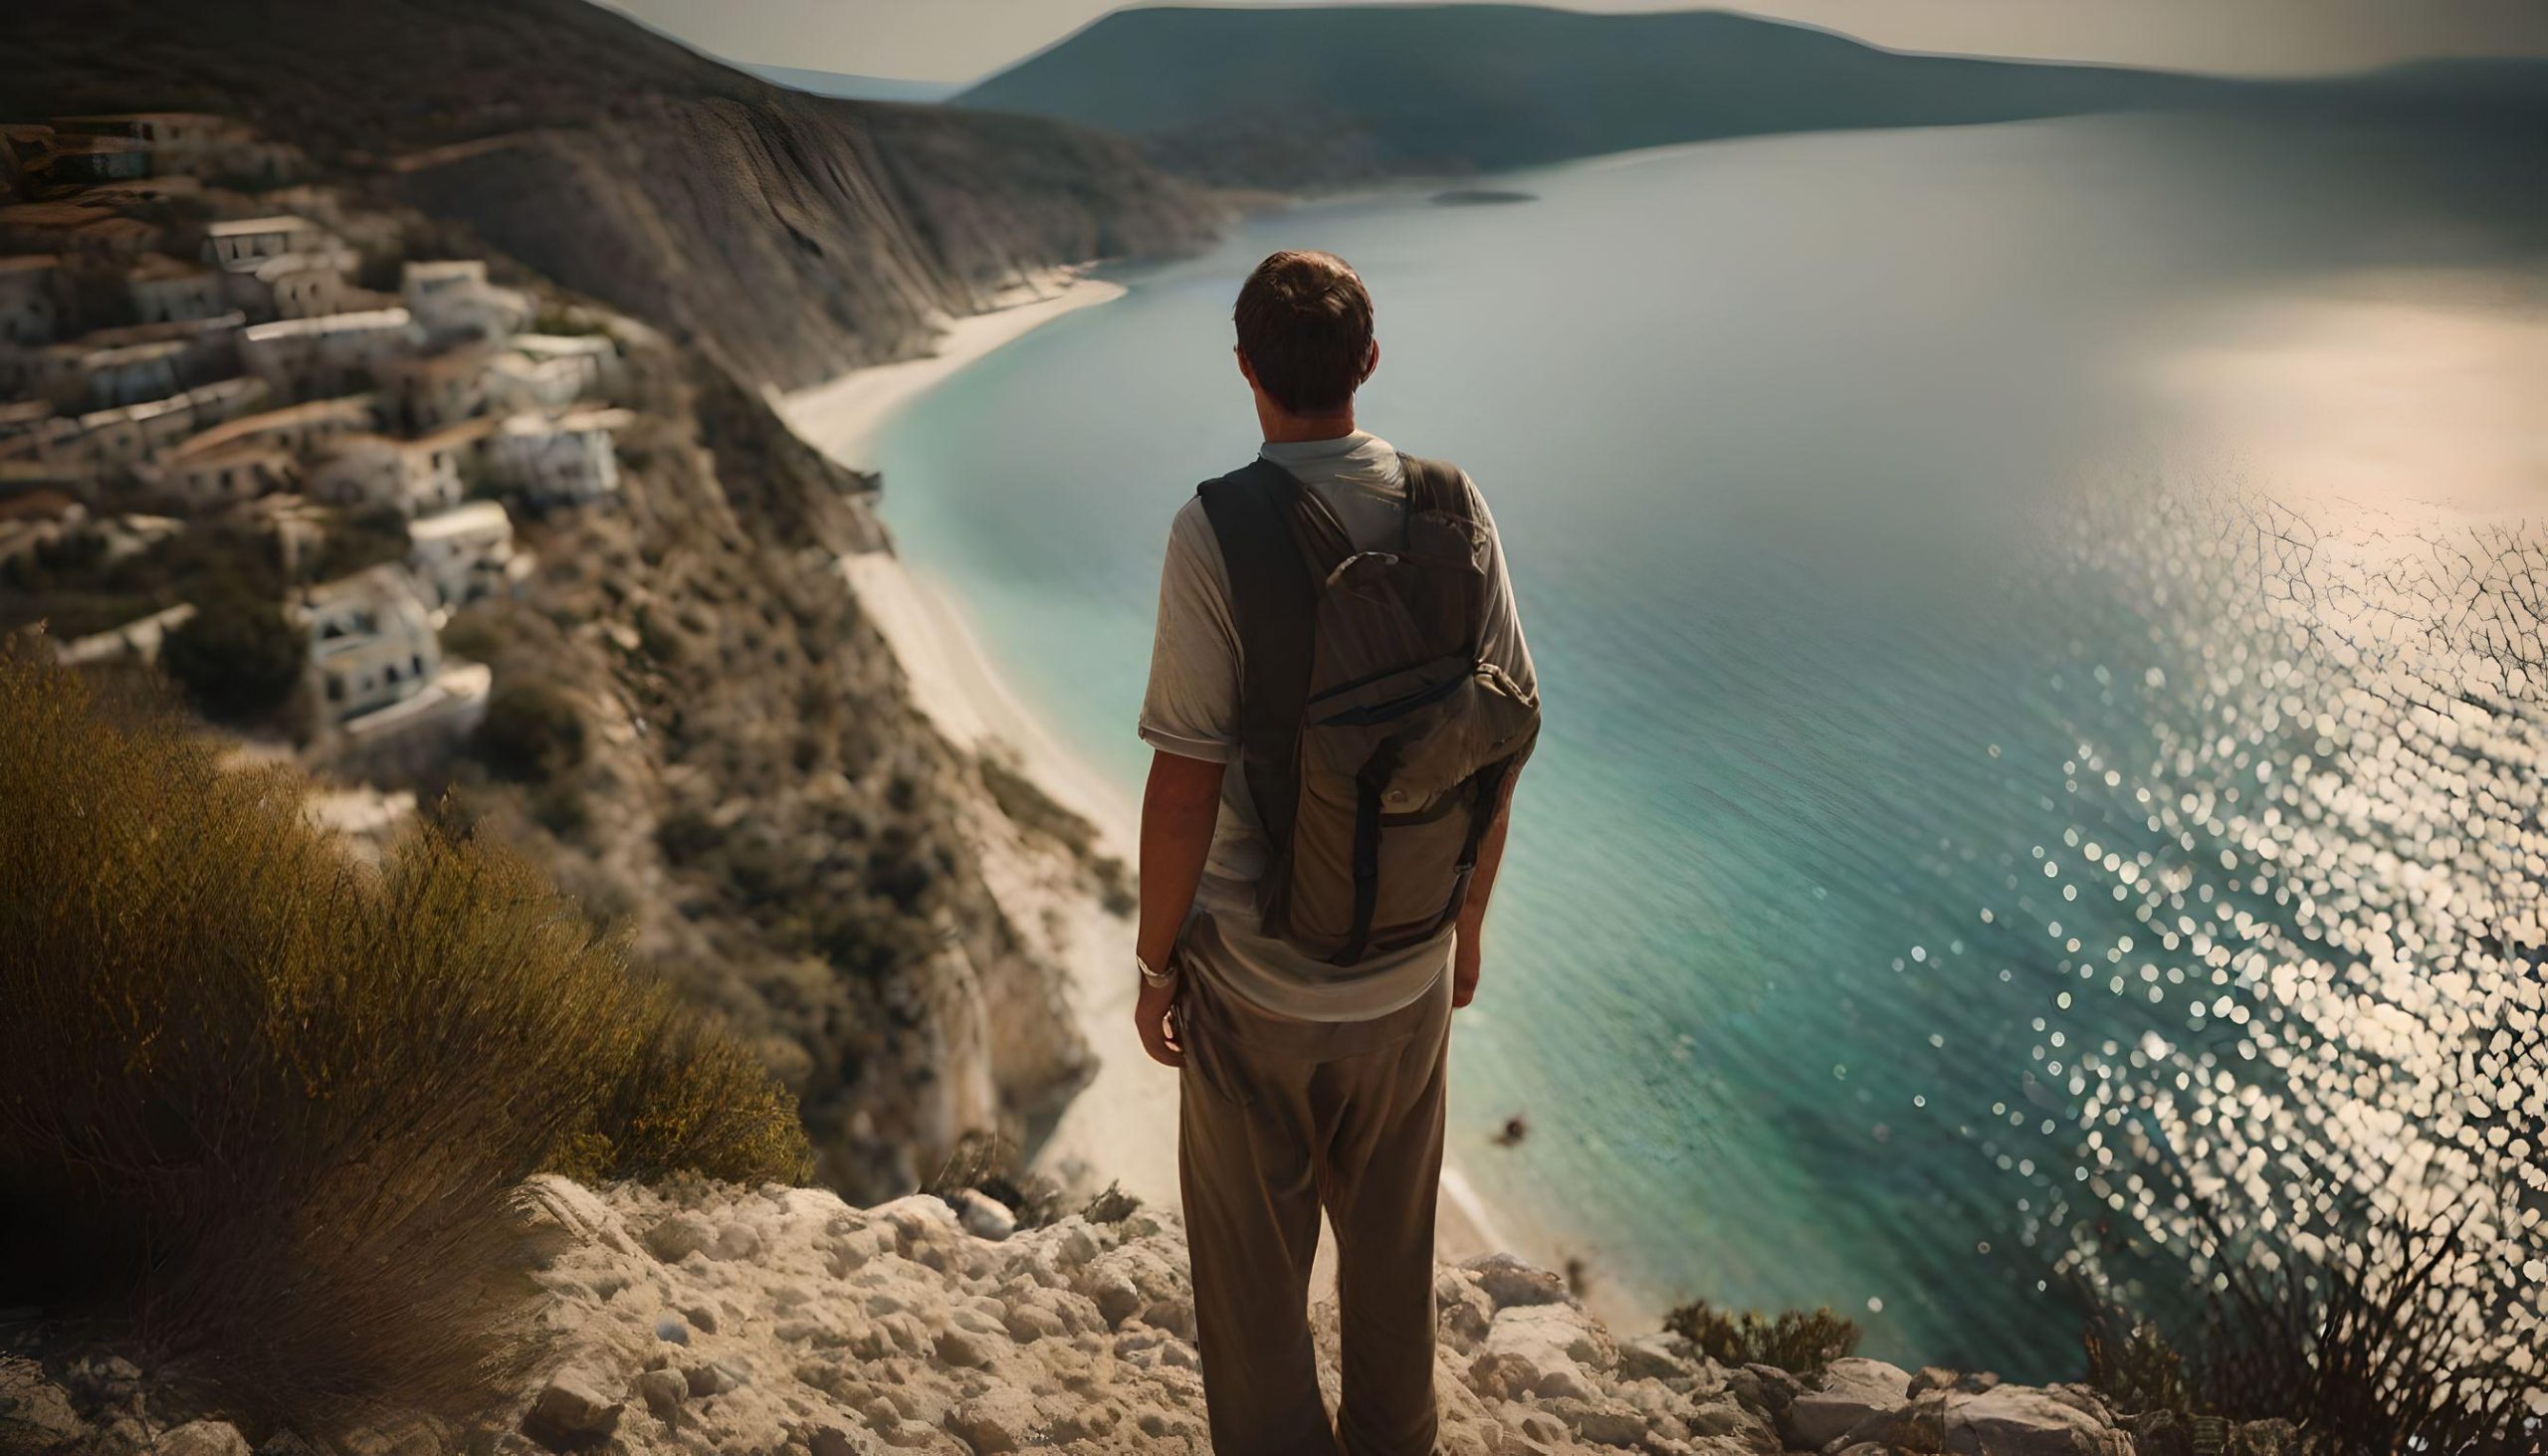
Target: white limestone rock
{"points": [[203, 1438], [984, 1217], [1849, 1392], [1509, 1282]]}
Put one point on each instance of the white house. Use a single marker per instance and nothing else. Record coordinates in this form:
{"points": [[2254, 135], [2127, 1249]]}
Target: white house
{"points": [[372, 641], [569, 459], [114, 438], [453, 298], [164, 288], [178, 142], [554, 371], [298, 429], [242, 470], [124, 365], [365, 471], [29, 299], [465, 555], [445, 388], [325, 354], [245, 242], [131, 374]]}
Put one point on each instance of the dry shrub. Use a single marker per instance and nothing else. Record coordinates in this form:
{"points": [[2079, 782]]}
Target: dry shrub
{"points": [[1795, 1342], [992, 1165], [263, 1110], [2363, 1345]]}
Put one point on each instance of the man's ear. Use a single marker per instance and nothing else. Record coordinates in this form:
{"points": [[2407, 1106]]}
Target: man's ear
{"points": [[1371, 360], [1246, 370]]}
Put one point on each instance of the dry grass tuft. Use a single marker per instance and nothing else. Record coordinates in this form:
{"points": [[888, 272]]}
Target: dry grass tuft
{"points": [[1795, 1341], [262, 1111]]}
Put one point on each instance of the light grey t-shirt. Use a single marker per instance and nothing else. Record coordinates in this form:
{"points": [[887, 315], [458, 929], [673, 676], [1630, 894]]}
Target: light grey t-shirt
{"points": [[1191, 709]]}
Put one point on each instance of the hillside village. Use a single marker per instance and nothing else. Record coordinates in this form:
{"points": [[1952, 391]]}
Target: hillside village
{"points": [[197, 344]]}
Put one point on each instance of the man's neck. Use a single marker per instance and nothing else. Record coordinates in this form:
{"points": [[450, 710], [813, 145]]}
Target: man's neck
{"points": [[1286, 429]]}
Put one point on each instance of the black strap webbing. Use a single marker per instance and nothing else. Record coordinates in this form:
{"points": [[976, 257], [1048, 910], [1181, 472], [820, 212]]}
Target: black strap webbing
{"points": [[1275, 605]]}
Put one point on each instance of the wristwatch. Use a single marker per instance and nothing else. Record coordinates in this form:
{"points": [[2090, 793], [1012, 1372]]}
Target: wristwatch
{"points": [[1154, 978]]}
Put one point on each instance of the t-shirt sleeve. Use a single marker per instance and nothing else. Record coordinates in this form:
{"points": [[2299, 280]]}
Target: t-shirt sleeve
{"points": [[1502, 643], [1191, 708]]}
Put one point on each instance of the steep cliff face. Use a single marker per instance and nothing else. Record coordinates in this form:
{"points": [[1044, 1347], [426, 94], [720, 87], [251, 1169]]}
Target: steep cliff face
{"points": [[756, 801], [793, 235]]}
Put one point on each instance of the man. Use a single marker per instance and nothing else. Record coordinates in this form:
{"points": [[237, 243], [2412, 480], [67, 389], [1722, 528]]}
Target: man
{"points": [[1307, 1009]]}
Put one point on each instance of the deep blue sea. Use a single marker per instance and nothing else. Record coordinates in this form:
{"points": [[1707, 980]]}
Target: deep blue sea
{"points": [[1875, 731]]}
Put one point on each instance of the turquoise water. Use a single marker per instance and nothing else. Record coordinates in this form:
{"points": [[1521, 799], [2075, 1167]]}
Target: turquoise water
{"points": [[1789, 440]]}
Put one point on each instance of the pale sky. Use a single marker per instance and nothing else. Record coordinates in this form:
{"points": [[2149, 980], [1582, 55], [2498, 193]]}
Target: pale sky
{"points": [[964, 40]]}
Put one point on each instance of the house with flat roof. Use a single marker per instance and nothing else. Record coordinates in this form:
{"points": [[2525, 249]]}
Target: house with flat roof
{"points": [[372, 641], [552, 371], [452, 299], [164, 288], [467, 554], [567, 459], [68, 157], [298, 428], [303, 285], [329, 354], [414, 478], [243, 243], [243, 469], [178, 141], [124, 365], [126, 436], [438, 390], [29, 299]]}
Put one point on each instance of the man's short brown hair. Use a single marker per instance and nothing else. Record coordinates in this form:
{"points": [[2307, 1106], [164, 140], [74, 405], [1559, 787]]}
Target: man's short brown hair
{"points": [[1305, 327]]}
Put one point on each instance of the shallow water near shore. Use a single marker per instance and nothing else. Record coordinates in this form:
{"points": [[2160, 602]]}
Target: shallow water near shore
{"points": [[1850, 888]]}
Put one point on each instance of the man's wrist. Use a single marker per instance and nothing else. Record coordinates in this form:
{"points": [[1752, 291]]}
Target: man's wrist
{"points": [[1158, 975]]}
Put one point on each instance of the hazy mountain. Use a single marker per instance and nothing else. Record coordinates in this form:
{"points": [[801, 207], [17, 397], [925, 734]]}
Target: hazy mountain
{"points": [[857, 87], [1292, 94], [795, 235], [1296, 95]]}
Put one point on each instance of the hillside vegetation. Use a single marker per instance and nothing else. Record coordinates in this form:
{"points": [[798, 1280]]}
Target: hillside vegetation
{"points": [[263, 1109]]}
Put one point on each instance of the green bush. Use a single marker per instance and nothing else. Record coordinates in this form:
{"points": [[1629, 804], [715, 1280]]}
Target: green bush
{"points": [[263, 1109], [238, 658], [532, 732], [1793, 1341]]}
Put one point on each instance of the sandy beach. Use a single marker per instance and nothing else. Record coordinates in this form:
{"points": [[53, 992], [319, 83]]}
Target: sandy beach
{"points": [[841, 416], [1122, 1126]]}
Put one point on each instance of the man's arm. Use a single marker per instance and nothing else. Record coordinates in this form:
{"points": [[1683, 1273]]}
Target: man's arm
{"points": [[1180, 806], [1466, 947]]}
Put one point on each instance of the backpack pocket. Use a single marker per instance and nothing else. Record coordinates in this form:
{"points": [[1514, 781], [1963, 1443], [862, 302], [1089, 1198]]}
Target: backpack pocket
{"points": [[1397, 771]]}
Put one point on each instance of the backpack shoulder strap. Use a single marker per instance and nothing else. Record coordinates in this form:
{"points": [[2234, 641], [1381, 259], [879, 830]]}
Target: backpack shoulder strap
{"points": [[1275, 607], [1439, 488], [1435, 486]]}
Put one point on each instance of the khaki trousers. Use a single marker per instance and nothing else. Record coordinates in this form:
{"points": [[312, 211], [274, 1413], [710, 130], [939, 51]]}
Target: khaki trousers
{"points": [[1280, 1118]]}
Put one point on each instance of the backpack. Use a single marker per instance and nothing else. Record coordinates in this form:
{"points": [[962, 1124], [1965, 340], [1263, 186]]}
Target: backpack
{"points": [[1375, 741]]}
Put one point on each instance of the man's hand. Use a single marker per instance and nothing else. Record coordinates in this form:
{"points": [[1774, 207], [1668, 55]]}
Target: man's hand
{"points": [[1154, 1017], [1464, 966]]}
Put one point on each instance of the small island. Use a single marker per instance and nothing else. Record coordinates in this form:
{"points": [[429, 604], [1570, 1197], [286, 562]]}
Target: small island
{"points": [[1481, 197]]}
